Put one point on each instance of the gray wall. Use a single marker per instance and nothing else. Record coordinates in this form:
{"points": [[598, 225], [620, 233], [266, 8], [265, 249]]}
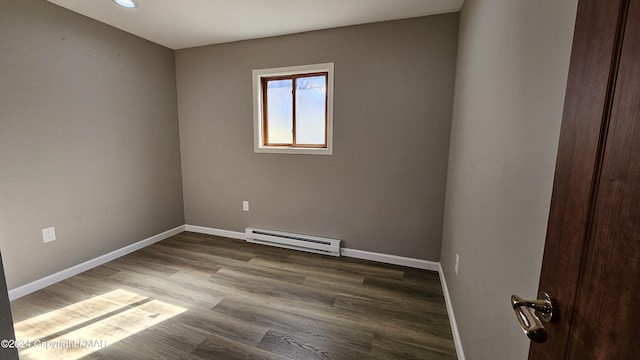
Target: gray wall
{"points": [[88, 139], [513, 61], [382, 190]]}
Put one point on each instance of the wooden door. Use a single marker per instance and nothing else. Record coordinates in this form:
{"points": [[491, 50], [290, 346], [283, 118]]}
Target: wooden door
{"points": [[591, 262]]}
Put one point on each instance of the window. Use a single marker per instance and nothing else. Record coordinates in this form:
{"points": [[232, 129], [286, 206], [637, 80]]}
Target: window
{"points": [[293, 109]]}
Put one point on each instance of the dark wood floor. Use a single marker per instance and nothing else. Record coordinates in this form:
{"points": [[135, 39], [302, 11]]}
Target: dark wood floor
{"points": [[201, 297]]}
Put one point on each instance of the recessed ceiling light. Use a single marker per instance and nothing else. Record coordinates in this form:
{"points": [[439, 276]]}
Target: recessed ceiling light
{"points": [[126, 3]]}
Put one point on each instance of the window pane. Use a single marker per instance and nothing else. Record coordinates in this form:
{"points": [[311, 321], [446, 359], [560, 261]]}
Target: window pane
{"points": [[311, 110], [280, 111]]}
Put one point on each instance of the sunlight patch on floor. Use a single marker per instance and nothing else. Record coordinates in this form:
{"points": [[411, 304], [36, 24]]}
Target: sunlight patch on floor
{"points": [[80, 329]]}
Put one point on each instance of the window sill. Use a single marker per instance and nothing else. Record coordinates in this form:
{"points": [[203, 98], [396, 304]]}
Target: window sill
{"points": [[292, 150]]}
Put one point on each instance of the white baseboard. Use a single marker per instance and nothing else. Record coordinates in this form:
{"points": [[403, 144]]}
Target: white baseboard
{"points": [[452, 318], [90, 264], [217, 232], [390, 259], [359, 254]]}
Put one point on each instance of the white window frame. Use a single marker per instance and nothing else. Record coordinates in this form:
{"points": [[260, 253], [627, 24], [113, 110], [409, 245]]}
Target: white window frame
{"points": [[258, 143]]}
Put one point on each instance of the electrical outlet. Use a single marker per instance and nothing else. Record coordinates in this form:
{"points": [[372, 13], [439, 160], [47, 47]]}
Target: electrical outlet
{"points": [[457, 263], [49, 234], [245, 205]]}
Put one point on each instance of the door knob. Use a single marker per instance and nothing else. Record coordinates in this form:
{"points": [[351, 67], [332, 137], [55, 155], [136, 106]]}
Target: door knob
{"points": [[531, 313]]}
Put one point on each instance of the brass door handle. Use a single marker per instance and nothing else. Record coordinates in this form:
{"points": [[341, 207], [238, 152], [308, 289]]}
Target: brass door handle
{"points": [[531, 313]]}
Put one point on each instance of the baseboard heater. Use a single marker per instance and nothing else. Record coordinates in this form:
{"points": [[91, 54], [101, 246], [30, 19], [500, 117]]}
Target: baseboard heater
{"points": [[308, 243]]}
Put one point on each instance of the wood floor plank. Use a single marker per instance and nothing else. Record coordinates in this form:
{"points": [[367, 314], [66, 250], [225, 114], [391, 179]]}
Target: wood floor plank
{"points": [[365, 269], [32, 305], [273, 288], [384, 348], [286, 321], [51, 298], [218, 347], [188, 254], [163, 287], [428, 319], [177, 262], [201, 297], [60, 320], [226, 252], [98, 272], [375, 292], [305, 347], [251, 269], [135, 263], [85, 284], [235, 329], [217, 242], [167, 340], [306, 269], [408, 287]]}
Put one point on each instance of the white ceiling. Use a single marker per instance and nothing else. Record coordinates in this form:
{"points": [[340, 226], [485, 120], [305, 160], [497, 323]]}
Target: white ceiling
{"points": [[188, 23]]}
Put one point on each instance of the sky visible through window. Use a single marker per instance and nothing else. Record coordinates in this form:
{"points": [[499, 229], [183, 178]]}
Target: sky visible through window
{"points": [[310, 110]]}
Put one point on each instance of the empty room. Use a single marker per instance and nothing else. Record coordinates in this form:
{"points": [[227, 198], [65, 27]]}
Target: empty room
{"points": [[361, 179]]}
